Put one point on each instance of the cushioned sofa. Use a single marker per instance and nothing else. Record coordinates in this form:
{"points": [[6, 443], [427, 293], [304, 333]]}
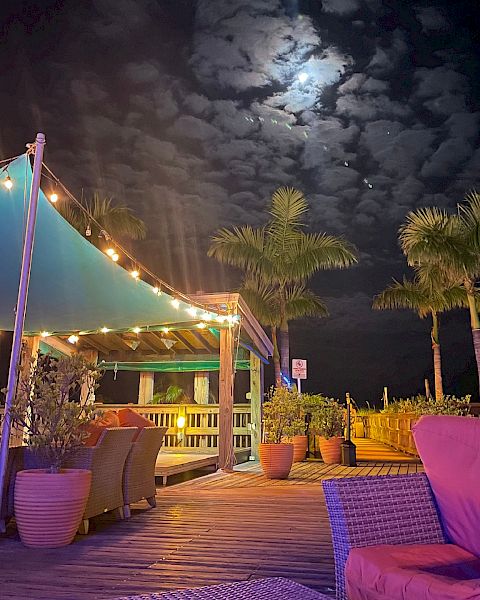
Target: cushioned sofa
{"points": [[413, 537]]}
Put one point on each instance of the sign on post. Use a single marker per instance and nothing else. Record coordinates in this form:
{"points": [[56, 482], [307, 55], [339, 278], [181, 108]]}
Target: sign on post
{"points": [[299, 371]]}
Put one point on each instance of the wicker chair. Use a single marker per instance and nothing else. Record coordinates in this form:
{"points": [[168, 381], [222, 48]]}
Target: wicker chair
{"points": [[373, 511], [106, 460], [139, 472]]}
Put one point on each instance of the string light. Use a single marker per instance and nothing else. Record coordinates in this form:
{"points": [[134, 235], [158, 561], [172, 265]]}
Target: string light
{"points": [[88, 231], [110, 252], [104, 329], [73, 339], [8, 183], [201, 325], [136, 330], [53, 197], [45, 334], [165, 329], [115, 257], [135, 274], [175, 303]]}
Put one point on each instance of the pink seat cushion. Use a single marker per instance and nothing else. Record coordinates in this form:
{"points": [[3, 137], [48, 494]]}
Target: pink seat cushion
{"points": [[450, 451], [417, 572]]}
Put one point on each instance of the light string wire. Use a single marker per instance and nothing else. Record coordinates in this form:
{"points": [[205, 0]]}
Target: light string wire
{"points": [[136, 263]]}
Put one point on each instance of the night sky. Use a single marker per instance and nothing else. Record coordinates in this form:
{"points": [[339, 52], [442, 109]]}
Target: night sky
{"points": [[192, 113]]}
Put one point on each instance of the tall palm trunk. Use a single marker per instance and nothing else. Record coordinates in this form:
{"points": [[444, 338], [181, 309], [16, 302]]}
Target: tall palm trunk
{"points": [[284, 337], [475, 322], [437, 359], [276, 358]]}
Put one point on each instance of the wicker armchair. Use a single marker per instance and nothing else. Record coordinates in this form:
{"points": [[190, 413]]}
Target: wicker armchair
{"points": [[373, 511], [106, 460], [139, 472]]}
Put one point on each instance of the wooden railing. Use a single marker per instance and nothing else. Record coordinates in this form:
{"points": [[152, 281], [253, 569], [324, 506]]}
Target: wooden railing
{"points": [[393, 429], [201, 423]]}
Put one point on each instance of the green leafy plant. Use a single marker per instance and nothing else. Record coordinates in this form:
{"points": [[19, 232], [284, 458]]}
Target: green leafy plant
{"points": [[174, 394], [327, 416], [282, 415], [46, 410], [420, 405]]}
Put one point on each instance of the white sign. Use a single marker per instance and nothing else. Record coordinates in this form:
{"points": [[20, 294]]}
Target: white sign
{"points": [[299, 368]]}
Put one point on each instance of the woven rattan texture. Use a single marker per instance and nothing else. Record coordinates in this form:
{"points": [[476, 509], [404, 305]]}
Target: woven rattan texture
{"points": [[139, 473], [274, 588], [372, 511]]}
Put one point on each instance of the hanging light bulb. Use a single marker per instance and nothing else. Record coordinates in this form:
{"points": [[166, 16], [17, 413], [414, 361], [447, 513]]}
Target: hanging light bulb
{"points": [[136, 330], [8, 183], [155, 290], [110, 252], [201, 325], [115, 257], [53, 197], [192, 311], [175, 303], [45, 334], [73, 339], [88, 231], [104, 329], [135, 274], [165, 329]]}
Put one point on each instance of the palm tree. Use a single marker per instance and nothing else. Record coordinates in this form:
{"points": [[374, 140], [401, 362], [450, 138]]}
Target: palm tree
{"points": [[118, 220], [281, 254], [426, 300], [451, 243], [264, 302]]}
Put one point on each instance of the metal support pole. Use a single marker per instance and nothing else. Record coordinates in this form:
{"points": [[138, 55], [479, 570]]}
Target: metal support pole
{"points": [[349, 452], [21, 308]]}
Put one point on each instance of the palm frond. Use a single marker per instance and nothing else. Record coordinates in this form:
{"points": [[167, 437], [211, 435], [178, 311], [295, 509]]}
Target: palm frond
{"points": [[405, 294], [470, 216], [310, 252], [262, 300], [302, 302], [242, 247], [431, 235], [118, 220]]}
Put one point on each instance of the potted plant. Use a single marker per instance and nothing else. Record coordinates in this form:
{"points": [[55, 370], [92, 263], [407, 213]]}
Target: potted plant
{"points": [[299, 439], [280, 421], [328, 423], [51, 408]]}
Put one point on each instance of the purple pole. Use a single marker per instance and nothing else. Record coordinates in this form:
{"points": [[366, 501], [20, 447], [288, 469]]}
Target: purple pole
{"points": [[20, 311]]}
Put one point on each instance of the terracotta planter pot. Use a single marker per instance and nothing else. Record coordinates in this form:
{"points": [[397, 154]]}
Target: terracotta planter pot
{"points": [[50, 506], [299, 447], [330, 449], [276, 460]]}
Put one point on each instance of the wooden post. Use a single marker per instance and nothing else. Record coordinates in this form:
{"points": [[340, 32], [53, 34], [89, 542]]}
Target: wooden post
{"points": [[225, 392], [145, 388], [92, 357], [256, 401], [201, 387]]}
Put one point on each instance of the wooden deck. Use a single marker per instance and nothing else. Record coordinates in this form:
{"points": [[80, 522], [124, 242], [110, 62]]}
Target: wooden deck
{"points": [[173, 462], [211, 530]]}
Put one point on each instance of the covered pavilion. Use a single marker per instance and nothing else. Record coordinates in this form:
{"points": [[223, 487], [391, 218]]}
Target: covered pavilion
{"points": [[119, 313]]}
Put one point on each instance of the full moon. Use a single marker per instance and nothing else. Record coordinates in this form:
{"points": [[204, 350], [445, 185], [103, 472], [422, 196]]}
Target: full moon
{"points": [[302, 77]]}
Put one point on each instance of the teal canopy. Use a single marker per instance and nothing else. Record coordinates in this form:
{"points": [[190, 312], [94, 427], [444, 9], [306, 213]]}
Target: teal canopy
{"points": [[73, 286]]}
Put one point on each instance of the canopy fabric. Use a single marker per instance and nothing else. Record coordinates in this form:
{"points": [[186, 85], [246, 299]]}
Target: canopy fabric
{"points": [[181, 366], [74, 287]]}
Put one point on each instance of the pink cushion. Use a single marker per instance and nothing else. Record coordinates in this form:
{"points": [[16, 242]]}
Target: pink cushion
{"points": [[450, 450], [417, 572], [130, 418]]}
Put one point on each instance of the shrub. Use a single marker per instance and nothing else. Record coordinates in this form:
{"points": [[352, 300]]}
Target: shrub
{"points": [[420, 405], [282, 415], [46, 410], [327, 416]]}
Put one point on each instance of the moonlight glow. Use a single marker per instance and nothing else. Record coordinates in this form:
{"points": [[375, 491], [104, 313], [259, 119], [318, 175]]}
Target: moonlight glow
{"points": [[302, 77]]}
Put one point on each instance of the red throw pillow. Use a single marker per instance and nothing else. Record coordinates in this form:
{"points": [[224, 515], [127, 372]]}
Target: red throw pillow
{"points": [[131, 418], [108, 419]]}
